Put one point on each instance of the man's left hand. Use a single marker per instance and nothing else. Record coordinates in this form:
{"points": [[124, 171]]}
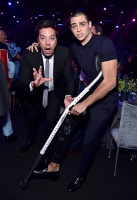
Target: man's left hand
{"points": [[77, 109]]}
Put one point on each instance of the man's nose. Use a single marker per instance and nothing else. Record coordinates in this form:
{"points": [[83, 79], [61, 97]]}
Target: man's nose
{"points": [[47, 41], [78, 28]]}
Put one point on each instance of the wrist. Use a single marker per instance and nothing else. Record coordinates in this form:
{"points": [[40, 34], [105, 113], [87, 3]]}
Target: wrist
{"points": [[68, 95], [31, 86]]}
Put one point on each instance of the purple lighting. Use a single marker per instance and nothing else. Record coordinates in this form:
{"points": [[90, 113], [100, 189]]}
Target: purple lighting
{"points": [[133, 20], [9, 3]]}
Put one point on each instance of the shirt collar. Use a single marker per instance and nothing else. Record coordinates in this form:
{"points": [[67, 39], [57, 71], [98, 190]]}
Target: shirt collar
{"points": [[44, 57]]}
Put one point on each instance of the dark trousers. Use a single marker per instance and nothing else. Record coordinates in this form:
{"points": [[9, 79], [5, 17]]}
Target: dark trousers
{"points": [[99, 113], [78, 133], [50, 114]]}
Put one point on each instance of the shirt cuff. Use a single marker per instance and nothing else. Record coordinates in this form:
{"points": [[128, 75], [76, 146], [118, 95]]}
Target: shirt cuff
{"points": [[68, 95], [30, 87]]}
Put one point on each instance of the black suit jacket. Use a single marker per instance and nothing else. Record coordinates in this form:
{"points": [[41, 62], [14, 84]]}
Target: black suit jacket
{"points": [[62, 75]]}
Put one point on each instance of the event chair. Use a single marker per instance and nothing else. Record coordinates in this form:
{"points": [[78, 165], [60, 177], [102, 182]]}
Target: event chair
{"points": [[126, 135]]}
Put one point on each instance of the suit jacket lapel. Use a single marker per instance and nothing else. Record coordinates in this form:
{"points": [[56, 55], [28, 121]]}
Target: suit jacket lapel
{"points": [[56, 63]]}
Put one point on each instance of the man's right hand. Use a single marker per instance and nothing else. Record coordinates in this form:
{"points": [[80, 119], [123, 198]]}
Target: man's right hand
{"points": [[38, 78], [68, 100]]}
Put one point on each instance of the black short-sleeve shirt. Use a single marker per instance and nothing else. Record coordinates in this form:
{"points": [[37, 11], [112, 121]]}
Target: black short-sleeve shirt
{"points": [[86, 55]]}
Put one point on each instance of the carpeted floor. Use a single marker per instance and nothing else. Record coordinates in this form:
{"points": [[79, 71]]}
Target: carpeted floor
{"points": [[100, 184]]}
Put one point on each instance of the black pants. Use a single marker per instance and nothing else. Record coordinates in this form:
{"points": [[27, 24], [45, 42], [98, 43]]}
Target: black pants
{"points": [[99, 113], [50, 114]]}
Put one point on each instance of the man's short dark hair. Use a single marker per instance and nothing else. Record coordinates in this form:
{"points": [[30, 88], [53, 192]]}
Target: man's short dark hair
{"points": [[79, 13], [98, 28], [45, 24]]}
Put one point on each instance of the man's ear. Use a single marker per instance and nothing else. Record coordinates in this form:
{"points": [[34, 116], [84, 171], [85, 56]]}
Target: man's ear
{"points": [[90, 24]]}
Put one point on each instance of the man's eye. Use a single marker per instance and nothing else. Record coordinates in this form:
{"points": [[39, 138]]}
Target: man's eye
{"points": [[52, 38], [82, 24], [42, 38], [74, 26]]}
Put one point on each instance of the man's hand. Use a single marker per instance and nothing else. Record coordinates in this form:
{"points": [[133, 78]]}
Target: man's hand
{"points": [[68, 100], [38, 79], [75, 110], [78, 109], [33, 46]]}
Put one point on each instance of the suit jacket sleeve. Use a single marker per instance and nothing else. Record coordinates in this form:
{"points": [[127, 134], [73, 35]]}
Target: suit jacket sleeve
{"points": [[29, 61]]}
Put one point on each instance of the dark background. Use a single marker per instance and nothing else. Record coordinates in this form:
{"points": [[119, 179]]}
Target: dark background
{"points": [[28, 13]]}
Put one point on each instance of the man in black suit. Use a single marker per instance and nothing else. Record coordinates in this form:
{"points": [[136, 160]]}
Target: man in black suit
{"points": [[32, 80]]}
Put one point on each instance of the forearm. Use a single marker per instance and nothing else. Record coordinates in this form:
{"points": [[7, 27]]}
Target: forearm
{"points": [[102, 90]]}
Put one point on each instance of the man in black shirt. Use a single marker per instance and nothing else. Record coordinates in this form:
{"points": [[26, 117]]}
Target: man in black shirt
{"points": [[103, 97]]}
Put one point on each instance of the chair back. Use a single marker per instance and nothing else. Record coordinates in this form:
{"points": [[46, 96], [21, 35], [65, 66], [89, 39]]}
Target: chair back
{"points": [[127, 136], [3, 57]]}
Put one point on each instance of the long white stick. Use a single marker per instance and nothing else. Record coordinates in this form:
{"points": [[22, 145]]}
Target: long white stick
{"points": [[63, 116]]}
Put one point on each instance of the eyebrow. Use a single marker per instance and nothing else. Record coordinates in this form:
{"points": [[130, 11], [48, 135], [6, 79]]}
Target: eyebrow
{"points": [[48, 36], [78, 23]]}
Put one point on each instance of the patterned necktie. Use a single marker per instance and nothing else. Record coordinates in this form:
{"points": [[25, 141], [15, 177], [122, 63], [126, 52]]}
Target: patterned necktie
{"points": [[46, 85]]}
